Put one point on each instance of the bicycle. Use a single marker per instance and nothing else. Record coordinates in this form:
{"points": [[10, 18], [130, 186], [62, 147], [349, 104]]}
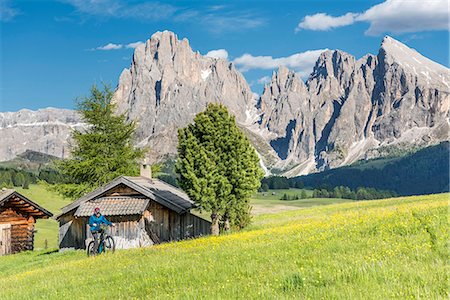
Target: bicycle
{"points": [[105, 243]]}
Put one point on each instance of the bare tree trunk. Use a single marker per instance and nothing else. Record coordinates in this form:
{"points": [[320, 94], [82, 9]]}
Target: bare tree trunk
{"points": [[226, 225], [214, 224]]}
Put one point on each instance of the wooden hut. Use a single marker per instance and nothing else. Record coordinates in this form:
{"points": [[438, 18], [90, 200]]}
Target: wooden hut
{"points": [[145, 210], [17, 217]]}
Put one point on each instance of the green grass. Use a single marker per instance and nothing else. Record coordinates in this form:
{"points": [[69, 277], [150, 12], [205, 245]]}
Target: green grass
{"points": [[395, 248], [47, 229], [269, 202]]}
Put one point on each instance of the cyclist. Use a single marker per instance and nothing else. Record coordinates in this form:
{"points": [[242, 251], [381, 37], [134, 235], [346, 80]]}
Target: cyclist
{"points": [[95, 222]]}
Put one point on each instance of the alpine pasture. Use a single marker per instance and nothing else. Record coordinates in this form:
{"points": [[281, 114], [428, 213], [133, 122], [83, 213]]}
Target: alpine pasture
{"points": [[381, 249]]}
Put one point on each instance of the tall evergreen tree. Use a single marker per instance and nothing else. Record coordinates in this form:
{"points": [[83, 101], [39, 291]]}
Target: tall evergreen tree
{"points": [[101, 152], [218, 167]]}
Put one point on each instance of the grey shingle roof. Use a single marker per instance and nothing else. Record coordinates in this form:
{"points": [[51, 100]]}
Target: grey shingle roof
{"points": [[165, 191], [113, 206], [154, 189]]}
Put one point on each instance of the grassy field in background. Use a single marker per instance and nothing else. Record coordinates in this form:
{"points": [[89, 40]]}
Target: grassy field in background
{"points": [[380, 249], [269, 202], [47, 229]]}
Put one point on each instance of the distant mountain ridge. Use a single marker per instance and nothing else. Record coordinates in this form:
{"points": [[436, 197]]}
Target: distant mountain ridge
{"points": [[45, 130], [347, 110], [30, 160]]}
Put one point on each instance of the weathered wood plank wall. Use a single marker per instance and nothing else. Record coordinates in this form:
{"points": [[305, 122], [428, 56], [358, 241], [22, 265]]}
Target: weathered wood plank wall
{"points": [[22, 230]]}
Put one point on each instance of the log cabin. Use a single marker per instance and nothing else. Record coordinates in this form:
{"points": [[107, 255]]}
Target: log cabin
{"points": [[18, 214], [145, 210]]}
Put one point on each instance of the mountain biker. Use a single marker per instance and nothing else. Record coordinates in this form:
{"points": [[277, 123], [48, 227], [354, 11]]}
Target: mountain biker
{"points": [[95, 221]]}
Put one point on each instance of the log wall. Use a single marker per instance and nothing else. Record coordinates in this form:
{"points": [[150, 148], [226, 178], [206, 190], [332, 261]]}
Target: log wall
{"points": [[22, 230]]}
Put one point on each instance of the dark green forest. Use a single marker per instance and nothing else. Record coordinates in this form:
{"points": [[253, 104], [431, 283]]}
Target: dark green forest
{"points": [[423, 172]]}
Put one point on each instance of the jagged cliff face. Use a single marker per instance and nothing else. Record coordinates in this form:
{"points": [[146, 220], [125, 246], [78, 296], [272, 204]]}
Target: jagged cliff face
{"points": [[168, 84], [45, 130], [353, 109], [347, 110]]}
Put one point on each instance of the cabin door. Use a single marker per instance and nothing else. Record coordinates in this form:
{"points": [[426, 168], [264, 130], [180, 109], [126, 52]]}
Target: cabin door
{"points": [[5, 239]]}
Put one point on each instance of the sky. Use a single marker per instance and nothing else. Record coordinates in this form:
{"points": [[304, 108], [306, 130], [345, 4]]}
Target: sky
{"points": [[51, 52]]}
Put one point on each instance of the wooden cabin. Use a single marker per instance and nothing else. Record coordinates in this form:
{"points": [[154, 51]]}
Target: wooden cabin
{"points": [[145, 210], [18, 214]]}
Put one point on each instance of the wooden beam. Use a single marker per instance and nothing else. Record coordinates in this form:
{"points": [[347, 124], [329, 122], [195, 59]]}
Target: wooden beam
{"points": [[17, 201]]}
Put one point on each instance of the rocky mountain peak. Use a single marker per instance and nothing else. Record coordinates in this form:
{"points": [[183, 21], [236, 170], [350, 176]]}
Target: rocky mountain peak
{"points": [[354, 108], [168, 83], [332, 63], [284, 80], [396, 54]]}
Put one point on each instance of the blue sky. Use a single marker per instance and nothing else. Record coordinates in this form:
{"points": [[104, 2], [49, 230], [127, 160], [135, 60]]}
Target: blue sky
{"points": [[51, 50]]}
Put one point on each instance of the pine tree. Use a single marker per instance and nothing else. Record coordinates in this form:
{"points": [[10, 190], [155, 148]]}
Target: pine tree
{"points": [[303, 195], [18, 179], [101, 152], [218, 167], [26, 183]]}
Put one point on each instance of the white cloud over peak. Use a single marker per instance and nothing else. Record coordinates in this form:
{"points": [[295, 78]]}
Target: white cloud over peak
{"points": [[264, 80], [322, 21], [395, 16], [302, 62], [219, 53], [134, 45], [110, 46], [113, 46]]}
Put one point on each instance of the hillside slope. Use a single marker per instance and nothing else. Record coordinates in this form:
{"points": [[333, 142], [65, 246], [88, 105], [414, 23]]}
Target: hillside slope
{"points": [[384, 249], [423, 172]]}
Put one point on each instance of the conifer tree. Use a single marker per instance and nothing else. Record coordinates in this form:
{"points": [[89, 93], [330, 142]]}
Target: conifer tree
{"points": [[102, 151], [218, 167]]}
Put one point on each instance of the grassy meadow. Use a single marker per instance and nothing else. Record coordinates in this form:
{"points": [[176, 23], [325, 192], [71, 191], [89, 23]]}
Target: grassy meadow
{"points": [[383, 249], [269, 202], [47, 229]]}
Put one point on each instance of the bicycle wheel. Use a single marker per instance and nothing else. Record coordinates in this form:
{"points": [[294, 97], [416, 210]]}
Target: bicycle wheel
{"points": [[109, 245], [90, 249]]}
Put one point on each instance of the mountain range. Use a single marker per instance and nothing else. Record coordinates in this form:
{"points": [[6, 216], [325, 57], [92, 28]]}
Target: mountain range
{"points": [[347, 110]]}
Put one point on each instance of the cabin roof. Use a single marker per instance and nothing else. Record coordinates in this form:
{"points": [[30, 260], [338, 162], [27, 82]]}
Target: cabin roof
{"points": [[13, 199], [154, 189], [114, 206]]}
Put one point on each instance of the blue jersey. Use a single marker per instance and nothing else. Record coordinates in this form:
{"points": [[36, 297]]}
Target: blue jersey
{"points": [[97, 221]]}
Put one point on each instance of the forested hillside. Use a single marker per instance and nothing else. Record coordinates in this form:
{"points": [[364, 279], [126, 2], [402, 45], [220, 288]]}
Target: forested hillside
{"points": [[423, 172]]}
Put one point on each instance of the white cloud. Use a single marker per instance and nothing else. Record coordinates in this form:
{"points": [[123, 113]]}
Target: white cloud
{"points": [[7, 11], [113, 46], [322, 21], [302, 62], [219, 53], [264, 80], [407, 16], [134, 45], [393, 16], [110, 46]]}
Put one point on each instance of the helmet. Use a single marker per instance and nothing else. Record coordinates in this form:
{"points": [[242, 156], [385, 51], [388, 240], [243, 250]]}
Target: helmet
{"points": [[97, 210]]}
